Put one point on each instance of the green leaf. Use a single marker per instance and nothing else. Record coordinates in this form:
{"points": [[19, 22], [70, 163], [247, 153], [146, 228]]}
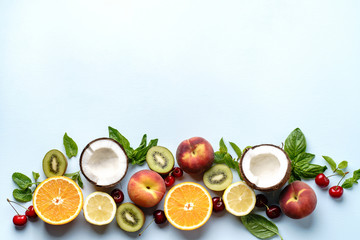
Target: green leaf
{"points": [[70, 146], [116, 135], [229, 161], [295, 143], [236, 149], [22, 195], [219, 157], [294, 177], [139, 154], [143, 142], [223, 147], [308, 170], [35, 176], [340, 172], [348, 183], [76, 177], [259, 226], [21, 180], [303, 158], [331, 162], [356, 175], [343, 165], [247, 147], [80, 182]]}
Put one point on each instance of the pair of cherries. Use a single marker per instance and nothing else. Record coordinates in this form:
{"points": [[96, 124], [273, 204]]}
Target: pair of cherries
{"points": [[19, 219], [323, 181], [170, 178], [272, 211]]}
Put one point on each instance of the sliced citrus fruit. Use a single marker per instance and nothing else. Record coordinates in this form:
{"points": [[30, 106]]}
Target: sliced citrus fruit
{"points": [[239, 199], [57, 200], [99, 208], [188, 206]]}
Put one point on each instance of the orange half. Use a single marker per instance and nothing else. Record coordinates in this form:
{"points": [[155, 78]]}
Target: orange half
{"points": [[58, 200], [188, 206]]}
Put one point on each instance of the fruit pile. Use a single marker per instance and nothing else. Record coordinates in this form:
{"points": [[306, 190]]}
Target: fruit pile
{"points": [[187, 205]]}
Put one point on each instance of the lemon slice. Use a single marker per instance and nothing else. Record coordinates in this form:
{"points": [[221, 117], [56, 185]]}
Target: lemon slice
{"points": [[99, 208], [239, 199]]}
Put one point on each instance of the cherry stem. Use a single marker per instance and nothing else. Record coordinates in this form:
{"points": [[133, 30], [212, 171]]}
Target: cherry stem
{"points": [[331, 175], [12, 206], [17, 204], [147, 227], [341, 180]]}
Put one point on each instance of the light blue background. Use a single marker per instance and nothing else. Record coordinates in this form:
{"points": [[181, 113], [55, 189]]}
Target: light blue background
{"points": [[248, 71]]}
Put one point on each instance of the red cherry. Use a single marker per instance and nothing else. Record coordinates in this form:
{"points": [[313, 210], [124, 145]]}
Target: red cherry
{"points": [[336, 191], [261, 200], [177, 172], [218, 204], [321, 180], [273, 211], [30, 212], [169, 181], [117, 195], [159, 216], [19, 220]]}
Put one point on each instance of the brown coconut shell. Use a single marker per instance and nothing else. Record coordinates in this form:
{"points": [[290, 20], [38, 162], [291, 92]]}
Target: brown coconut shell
{"points": [[271, 188]]}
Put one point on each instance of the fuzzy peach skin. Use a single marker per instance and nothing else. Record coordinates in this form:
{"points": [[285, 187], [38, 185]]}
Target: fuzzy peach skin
{"points": [[297, 200], [195, 155], [146, 188]]}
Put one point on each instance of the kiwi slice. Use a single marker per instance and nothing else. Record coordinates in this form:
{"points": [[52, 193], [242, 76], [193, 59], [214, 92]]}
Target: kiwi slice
{"points": [[129, 217], [160, 159], [54, 163], [218, 177]]}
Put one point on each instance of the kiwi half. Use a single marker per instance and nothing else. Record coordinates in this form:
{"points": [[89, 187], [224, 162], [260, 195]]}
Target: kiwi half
{"points": [[218, 177], [160, 159], [129, 217], [54, 163]]}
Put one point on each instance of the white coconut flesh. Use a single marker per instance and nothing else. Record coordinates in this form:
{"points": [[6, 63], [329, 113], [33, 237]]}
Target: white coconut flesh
{"points": [[265, 166], [104, 162]]}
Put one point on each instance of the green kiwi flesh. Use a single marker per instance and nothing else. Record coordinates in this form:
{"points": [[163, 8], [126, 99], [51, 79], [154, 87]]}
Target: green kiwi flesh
{"points": [[129, 217], [54, 163], [218, 177], [160, 159]]}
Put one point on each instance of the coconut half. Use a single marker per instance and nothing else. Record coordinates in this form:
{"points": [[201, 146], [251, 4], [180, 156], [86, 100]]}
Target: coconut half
{"points": [[104, 162], [265, 167]]}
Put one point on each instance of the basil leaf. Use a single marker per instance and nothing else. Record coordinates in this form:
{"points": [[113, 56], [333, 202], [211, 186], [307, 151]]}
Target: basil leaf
{"points": [[303, 158], [223, 147], [143, 142], [139, 156], [116, 135], [236, 149], [343, 165], [294, 177], [331, 162], [348, 183], [295, 143], [22, 195], [259, 226], [21, 180], [70, 146], [35, 176], [308, 170]]}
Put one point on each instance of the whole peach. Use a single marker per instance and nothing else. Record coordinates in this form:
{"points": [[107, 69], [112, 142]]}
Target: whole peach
{"points": [[297, 200], [195, 155], [146, 188]]}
